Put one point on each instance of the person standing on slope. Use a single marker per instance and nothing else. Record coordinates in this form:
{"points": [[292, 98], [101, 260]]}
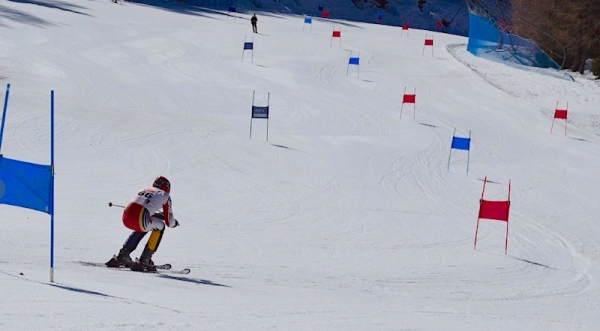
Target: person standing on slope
{"points": [[150, 210], [253, 21]]}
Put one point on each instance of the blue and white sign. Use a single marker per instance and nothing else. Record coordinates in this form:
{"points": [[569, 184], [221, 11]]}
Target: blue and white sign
{"points": [[260, 112]]}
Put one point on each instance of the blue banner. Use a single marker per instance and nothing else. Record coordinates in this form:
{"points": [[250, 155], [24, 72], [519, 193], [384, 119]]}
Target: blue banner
{"points": [[260, 112], [26, 185], [461, 143], [248, 45], [486, 38], [353, 60]]}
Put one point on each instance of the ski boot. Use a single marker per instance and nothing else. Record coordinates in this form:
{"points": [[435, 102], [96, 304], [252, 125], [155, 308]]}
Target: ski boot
{"points": [[121, 260], [145, 262]]}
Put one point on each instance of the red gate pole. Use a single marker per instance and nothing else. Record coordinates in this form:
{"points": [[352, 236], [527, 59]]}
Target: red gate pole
{"points": [[480, 201], [506, 240]]}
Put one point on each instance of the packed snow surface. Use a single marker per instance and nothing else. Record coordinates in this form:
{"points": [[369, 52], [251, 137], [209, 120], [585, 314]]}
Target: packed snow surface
{"points": [[349, 217]]}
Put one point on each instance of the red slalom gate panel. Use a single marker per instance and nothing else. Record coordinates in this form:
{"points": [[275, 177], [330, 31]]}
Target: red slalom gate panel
{"points": [[336, 34], [409, 98], [493, 210], [428, 42], [560, 114], [404, 28]]}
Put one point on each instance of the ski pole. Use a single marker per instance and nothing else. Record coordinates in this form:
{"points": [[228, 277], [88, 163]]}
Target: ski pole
{"points": [[110, 204]]}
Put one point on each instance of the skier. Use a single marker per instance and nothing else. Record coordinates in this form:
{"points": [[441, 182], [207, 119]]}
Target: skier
{"points": [[142, 215], [253, 21]]}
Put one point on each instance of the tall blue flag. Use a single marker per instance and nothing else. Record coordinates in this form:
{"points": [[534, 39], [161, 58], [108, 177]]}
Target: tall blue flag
{"points": [[25, 184], [461, 143]]}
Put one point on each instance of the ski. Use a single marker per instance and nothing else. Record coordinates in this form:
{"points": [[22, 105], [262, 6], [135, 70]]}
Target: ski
{"points": [[163, 271], [160, 269]]}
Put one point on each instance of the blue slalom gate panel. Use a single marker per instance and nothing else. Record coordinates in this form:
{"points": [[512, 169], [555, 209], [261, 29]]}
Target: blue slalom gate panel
{"points": [[307, 20], [26, 185], [248, 45], [461, 143], [486, 38], [260, 112], [353, 60], [232, 9]]}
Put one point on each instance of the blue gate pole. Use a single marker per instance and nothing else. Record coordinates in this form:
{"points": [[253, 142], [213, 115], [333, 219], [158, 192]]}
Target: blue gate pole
{"points": [[469, 153], [450, 155], [52, 186], [4, 114]]}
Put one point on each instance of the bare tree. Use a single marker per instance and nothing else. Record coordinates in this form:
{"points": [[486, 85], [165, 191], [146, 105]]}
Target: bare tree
{"points": [[573, 23]]}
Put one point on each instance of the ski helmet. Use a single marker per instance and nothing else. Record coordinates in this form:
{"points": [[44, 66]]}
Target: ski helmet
{"points": [[162, 183]]}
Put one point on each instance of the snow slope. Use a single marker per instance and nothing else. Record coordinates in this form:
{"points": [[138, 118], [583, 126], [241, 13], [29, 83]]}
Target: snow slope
{"points": [[392, 12], [347, 218]]}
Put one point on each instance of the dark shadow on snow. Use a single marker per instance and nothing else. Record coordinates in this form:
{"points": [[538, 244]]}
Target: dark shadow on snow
{"points": [[221, 7], [534, 263], [580, 139], [64, 6], [79, 290], [281, 146], [194, 8], [489, 181], [335, 22], [21, 17], [192, 280]]}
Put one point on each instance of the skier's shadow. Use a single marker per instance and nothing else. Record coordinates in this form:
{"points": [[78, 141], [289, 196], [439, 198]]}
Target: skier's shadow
{"points": [[192, 280]]}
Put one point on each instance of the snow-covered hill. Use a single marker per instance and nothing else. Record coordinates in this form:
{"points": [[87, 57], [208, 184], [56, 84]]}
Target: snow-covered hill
{"points": [[348, 217], [423, 15]]}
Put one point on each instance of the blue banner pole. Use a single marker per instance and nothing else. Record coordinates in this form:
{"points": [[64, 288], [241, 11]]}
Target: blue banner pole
{"points": [[450, 156], [4, 114], [469, 153], [244, 50], [51, 202], [268, 106], [348, 65], [252, 113]]}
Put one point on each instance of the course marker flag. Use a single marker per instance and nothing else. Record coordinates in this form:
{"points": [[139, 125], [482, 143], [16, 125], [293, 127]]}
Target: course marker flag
{"points": [[29, 185], [560, 114], [428, 42], [404, 28], [260, 112], [353, 60], [493, 210], [248, 46], [409, 98], [460, 143], [336, 34], [307, 20], [231, 9]]}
